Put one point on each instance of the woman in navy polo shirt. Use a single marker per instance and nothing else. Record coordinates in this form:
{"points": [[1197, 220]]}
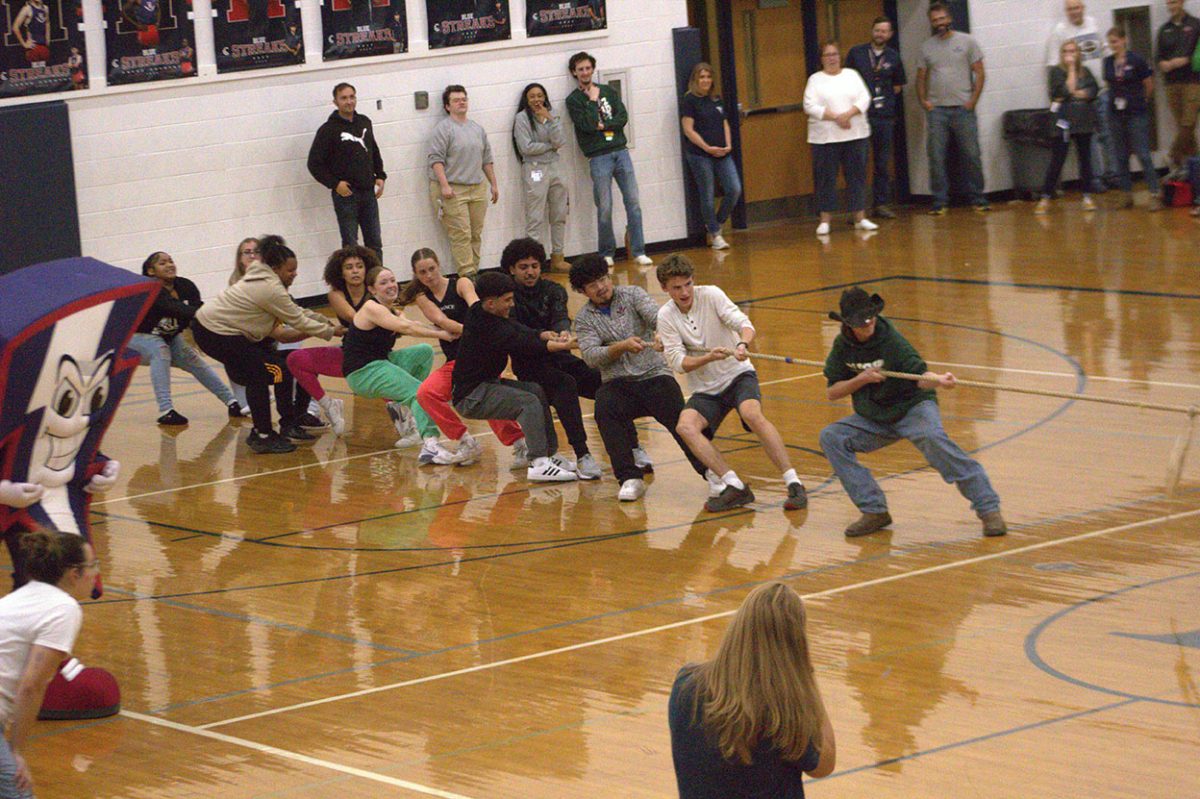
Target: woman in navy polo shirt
{"points": [[1131, 83], [708, 151]]}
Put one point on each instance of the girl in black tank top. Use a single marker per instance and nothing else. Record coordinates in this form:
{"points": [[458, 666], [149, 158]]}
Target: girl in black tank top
{"points": [[443, 299]]}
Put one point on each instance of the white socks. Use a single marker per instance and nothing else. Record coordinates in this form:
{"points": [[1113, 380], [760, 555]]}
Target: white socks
{"points": [[731, 479]]}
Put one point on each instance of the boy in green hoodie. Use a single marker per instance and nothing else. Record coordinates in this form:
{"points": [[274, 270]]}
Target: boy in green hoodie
{"points": [[887, 409]]}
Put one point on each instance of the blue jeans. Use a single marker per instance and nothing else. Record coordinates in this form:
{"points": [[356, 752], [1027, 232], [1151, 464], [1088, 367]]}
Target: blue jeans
{"points": [[360, 209], [161, 355], [8, 774], [1131, 136], [704, 169], [883, 138], [922, 425], [1103, 154], [852, 156], [956, 121], [605, 168]]}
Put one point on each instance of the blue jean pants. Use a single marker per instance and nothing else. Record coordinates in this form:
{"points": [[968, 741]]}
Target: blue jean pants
{"points": [[946, 122], [8, 774], [1104, 160], [360, 209], [883, 137], [1131, 136], [922, 425], [161, 355], [606, 168], [707, 171]]}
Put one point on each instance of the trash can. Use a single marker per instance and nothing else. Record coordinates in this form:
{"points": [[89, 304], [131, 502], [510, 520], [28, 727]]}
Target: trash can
{"points": [[1030, 134]]}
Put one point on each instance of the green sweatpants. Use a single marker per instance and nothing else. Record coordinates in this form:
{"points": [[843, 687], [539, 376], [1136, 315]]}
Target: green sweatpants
{"points": [[398, 378]]}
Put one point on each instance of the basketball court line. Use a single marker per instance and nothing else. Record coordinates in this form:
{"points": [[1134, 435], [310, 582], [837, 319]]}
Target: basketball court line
{"points": [[702, 619], [296, 756]]}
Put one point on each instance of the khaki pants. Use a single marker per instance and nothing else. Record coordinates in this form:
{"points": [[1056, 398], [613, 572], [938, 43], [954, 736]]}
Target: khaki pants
{"points": [[1184, 101], [547, 193], [462, 217]]}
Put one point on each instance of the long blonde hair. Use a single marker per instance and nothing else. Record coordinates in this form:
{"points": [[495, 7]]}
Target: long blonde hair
{"points": [[694, 80], [760, 686], [239, 271]]}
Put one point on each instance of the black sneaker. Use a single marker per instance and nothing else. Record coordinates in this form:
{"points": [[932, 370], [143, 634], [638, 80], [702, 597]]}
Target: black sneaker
{"points": [[270, 444], [235, 410], [729, 499], [797, 497], [310, 422], [296, 433], [173, 418]]}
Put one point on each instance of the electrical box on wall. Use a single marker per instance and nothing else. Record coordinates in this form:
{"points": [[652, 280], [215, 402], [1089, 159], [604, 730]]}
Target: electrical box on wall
{"points": [[421, 100]]}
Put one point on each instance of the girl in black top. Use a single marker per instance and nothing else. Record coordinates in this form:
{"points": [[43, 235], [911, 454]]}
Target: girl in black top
{"points": [[708, 150], [1072, 89]]}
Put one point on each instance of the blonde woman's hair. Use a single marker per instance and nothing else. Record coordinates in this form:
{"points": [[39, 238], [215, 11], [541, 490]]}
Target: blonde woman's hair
{"points": [[760, 686], [239, 271], [1078, 52], [694, 80]]}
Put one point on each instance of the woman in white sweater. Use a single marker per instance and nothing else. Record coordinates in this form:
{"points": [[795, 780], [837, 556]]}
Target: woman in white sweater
{"points": [[836, 101]]}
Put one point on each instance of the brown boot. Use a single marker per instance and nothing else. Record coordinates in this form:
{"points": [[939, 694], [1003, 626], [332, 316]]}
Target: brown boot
{"points": [[558, 263], [869, 523], [993, 524]]}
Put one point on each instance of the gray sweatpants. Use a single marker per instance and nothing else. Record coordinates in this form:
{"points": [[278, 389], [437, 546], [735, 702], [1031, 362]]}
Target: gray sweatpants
{"points": [[513, 399], [545, 191]]}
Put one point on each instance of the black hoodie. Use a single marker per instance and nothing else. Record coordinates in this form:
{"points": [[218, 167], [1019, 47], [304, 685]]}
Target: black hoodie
{"points": [[346, 150]]}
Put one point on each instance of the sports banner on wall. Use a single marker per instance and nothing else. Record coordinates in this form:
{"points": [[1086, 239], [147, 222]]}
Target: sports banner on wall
{"points": [[149, 40], [548, 17], [357, 28], [453, 23], [42, 48], [257, 34]]}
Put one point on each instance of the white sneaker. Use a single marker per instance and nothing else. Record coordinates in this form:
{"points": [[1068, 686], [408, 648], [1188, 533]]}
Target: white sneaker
{"points": [[587, 468], [632, 490], [432, 452], [643, 260], [715, 484], [641, 459], [469, 450], [608, 259], [520, 451], [401, 417], [334, 412], [545, 470], [563, 463], [719, 243], [408, 440], [823, 229], [865, 224]]}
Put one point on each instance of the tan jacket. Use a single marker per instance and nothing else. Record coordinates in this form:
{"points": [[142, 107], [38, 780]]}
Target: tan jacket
{"points": [[255, 304]]}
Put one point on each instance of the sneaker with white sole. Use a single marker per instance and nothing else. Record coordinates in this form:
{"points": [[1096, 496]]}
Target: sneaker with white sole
{"points": [[865, 224], [715, 484], [823, 229], [545, 470], [335, 412], [563, 462], [587, 468], [408, 440], [643, 260], [632, 490], [469, 450], [433, 453], [719, 243], [520, 451], [641, 459], [401, 417]]}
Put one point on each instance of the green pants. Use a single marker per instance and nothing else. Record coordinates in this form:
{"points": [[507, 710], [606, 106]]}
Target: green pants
{"points": [[398, 378]]}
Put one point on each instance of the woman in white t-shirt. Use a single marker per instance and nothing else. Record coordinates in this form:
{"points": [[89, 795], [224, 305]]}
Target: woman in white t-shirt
{"points": [[38, 625], [836, 101]]}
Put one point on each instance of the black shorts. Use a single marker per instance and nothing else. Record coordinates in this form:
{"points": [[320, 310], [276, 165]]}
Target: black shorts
{"points": [[715, 407]]}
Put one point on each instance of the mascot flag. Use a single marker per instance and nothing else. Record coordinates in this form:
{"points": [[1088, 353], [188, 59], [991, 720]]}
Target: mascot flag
{"points": [[64, 366]]}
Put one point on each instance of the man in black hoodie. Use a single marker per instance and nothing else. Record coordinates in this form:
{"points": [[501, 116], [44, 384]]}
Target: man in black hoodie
{"points": [[887, 409], [345, 158]]}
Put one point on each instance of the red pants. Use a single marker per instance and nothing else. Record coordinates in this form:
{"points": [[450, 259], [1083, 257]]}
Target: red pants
{"points": [[308, 362], [434, 398]]}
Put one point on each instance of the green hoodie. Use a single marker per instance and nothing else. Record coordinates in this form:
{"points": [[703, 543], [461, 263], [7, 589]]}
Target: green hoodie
{"points": [[885, 402], [587, 116]]}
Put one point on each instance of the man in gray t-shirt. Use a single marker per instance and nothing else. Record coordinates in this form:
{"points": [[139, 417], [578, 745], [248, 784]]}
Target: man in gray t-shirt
{"points": [[949, 82]]}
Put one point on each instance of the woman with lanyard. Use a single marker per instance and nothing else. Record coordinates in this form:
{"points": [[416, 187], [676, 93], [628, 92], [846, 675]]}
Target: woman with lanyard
{"points": [[537, 138], [38, 625], [1131, 83], [346, 275], [444, 300], [708, 149], [836, 101], [374, 370]]}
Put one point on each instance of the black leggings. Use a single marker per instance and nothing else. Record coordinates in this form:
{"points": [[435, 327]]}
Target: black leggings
{"points": [[256, 365], [1058, 157]]}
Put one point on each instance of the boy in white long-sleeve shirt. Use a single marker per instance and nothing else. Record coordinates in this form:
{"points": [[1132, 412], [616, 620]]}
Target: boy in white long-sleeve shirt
{"points": [[722, 379]]}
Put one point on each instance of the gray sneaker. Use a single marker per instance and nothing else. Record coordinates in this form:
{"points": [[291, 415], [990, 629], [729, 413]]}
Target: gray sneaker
{"points": [[797, 497], [729, 499], [587, 468], [520, 451]]}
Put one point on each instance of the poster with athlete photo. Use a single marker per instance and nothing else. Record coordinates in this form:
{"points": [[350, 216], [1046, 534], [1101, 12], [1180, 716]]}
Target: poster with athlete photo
{"points": [[257, 34], [42, 49], [357, 28], [149, 40], [548, 17], [453, 23]]}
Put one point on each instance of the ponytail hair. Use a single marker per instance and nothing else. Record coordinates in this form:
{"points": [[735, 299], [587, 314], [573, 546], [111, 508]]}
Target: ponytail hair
{"points": [[414, 287], [47, 554], [273, 251]]}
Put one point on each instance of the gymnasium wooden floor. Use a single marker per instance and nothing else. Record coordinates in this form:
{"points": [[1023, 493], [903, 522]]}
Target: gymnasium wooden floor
{"points": [[340, 623]]}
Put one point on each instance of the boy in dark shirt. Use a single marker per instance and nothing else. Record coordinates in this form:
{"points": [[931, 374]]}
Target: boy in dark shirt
{"points": [[488, 339], [887, 409]]}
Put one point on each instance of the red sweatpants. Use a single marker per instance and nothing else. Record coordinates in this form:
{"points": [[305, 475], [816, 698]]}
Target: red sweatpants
{"points": [[434, 398]]}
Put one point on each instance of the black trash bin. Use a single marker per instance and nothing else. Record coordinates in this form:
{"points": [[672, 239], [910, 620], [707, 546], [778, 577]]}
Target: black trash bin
{"points": [[1030, 134]]}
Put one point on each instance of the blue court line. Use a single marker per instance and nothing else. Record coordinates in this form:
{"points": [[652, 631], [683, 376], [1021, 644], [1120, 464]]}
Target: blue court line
{"points": [[278, 625], [1031, 642]]}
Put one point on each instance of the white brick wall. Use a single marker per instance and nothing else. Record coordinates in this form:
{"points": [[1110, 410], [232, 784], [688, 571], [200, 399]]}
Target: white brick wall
{"points": [[1013, 35], [192, 167]]}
